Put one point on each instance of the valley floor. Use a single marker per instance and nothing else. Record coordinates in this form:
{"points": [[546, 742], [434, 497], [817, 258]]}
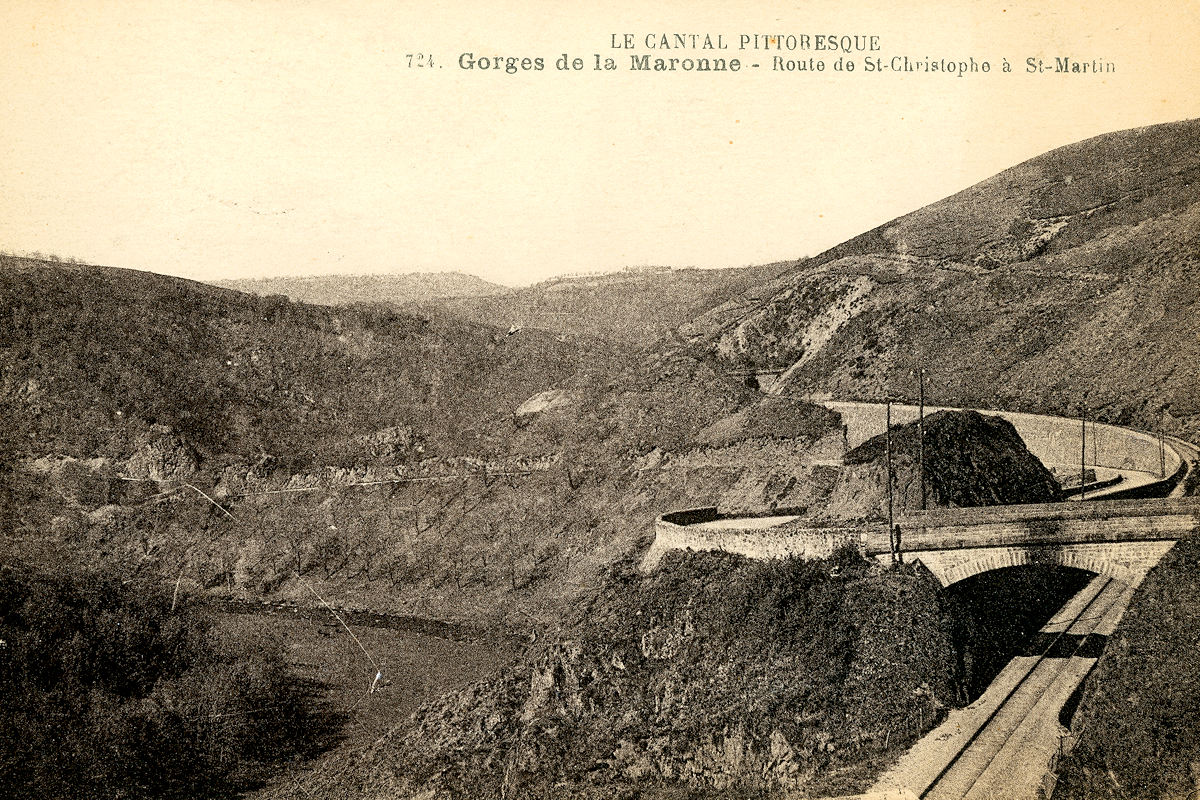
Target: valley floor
{"points": [[415, 669]]}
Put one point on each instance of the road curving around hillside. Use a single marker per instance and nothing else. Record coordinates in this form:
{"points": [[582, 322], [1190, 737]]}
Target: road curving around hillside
{"points": [[1144, 467], [1064, 445]]}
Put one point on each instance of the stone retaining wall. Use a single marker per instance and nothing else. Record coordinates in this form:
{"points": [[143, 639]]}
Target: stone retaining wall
{"points": [[1054, 440]]}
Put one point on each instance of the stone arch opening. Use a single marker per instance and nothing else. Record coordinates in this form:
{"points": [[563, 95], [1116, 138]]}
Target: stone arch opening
{"points": [[995, 614], [1124, 561]]}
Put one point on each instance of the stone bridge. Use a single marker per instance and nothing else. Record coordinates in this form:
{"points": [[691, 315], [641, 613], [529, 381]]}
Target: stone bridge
{"points": [[1119, 538], [1122, 539]]}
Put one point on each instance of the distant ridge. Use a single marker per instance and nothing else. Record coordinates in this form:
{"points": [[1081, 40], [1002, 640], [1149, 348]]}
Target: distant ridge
{"points": [[635, 306], [397, 288], [95, 359]]}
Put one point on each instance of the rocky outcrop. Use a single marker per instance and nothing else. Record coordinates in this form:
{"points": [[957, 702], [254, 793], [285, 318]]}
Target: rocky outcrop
{"points": [[162, 456], [541, 403], [970, 460]]}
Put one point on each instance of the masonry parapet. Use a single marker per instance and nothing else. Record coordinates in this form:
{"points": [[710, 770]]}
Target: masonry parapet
{"points": [[704, 529]]}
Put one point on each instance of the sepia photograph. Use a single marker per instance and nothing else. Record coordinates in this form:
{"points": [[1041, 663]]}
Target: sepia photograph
{"points": [[513, 400]]}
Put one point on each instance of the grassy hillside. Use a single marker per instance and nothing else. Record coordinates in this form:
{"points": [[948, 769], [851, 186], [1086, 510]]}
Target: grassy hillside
{"points": [[717, 676], [633, 307], [91, 357], [257, 446], [714, 673], [1072, 279]]}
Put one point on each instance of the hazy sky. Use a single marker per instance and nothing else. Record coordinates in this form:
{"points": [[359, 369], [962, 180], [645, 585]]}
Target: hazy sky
{"points": [[237, 138]]}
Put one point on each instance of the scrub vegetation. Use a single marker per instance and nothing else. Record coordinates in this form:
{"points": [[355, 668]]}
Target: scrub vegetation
{"points": [[112, 690]]}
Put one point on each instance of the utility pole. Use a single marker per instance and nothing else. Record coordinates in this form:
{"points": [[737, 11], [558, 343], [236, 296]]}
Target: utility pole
{"points": [[891, 530], [1095, 443], [921, 435], [1162, 448], [1082, 452]]}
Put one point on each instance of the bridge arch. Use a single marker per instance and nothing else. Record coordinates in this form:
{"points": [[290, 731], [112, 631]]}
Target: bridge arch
{"points": [[1125, 561]]}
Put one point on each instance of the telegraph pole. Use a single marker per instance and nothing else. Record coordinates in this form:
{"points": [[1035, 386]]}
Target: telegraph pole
{"points": [[891, 530], [1082, 452], [921, 435], [1162, 448]]}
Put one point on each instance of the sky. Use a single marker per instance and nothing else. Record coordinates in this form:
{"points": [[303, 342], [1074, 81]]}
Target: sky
{"points": [[216, 140]]}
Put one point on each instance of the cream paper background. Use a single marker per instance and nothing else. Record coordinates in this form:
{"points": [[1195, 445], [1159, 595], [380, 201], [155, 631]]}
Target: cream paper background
{"points": [[238, 138]]}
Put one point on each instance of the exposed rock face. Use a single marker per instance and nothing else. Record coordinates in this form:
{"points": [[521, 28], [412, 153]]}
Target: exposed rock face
{"points": [[541, 403], [163, 456]]}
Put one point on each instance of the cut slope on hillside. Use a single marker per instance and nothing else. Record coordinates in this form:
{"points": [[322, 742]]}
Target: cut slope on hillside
{"points": [[1070, 280]]}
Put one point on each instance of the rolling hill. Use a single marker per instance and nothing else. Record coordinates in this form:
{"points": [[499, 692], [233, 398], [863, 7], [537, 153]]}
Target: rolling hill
{"points": [[253, 445], [397, 289], [632, 307], [92, 357], [635, 306]]}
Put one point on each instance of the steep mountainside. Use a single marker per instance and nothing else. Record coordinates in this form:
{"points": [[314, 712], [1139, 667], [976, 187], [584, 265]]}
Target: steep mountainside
{"points": [[398, 289], [1072, 279]]}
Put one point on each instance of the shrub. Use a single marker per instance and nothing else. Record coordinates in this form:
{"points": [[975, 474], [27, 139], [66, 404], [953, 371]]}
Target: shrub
{"points": [[109, 692]]}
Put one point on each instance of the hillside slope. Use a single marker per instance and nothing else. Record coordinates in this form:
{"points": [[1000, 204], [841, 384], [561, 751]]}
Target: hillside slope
{"points": [[259, 447], [713, 677], [633, 307], [1135, 725], [397, 288], [1072, 279], [91, 357], [718, 676]]}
